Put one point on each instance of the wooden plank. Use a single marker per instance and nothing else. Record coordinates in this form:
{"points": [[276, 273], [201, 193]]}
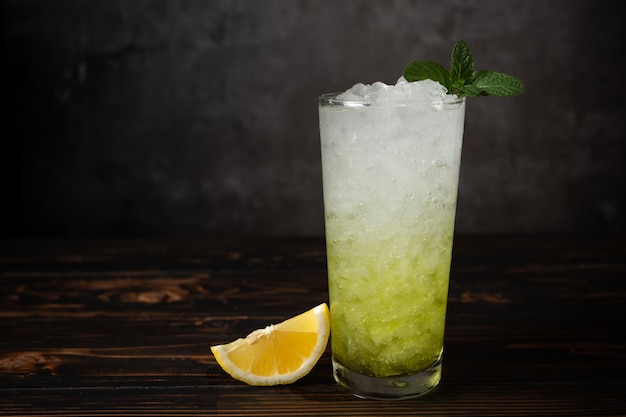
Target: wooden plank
{"points": [[123, 327]]}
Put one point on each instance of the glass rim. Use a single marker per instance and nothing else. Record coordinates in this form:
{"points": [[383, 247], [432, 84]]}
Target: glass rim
{"points": [[332, 99]]}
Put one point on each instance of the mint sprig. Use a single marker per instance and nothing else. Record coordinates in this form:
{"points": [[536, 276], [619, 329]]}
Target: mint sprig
{"points": [[462, 79]]}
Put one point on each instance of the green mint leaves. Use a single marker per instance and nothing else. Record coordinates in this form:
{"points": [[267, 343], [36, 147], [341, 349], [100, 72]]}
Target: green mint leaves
{"points": [[462, 79]]}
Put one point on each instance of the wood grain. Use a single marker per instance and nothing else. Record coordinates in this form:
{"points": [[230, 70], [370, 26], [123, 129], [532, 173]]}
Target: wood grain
{"points": [[94, 328]]}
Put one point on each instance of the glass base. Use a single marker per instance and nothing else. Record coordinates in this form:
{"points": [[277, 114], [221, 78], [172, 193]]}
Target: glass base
{"points": [[388, 388]]}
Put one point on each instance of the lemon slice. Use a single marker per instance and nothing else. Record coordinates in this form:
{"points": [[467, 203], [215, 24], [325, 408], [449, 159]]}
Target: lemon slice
{"points": [[280, 353]]}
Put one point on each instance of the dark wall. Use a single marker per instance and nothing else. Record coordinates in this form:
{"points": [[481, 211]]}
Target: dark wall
{"points": [[195, 117]]}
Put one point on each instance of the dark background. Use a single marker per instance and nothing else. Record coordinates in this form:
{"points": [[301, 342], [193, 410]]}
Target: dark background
{"points": [[196, 117]]}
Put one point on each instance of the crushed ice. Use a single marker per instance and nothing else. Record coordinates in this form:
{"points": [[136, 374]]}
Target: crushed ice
{"points": [[380, 92]]}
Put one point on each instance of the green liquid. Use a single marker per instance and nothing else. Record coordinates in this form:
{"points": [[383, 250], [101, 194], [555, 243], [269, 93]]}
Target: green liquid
{"points": [[388, 302]]}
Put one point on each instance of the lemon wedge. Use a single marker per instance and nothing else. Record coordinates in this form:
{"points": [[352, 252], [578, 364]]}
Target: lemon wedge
{"points": [[280, 353]]}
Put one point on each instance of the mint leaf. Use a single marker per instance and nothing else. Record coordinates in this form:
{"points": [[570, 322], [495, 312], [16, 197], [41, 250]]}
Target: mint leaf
{"points": [[462, 66], [469, 90], [494, 83], [427, 70], [462, 79]]}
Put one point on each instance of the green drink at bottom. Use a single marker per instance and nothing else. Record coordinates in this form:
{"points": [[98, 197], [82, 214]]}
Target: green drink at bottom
{"points": [[390, 160]]}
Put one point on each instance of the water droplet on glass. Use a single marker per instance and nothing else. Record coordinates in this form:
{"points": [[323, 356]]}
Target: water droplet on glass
{"points": [[439, 163]]}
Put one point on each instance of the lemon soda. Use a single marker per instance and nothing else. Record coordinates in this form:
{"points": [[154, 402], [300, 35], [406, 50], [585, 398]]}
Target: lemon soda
{"points": [[390, 162]]}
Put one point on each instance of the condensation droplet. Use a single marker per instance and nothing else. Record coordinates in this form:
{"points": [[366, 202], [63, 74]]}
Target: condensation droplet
{"points": [[439, 163]]}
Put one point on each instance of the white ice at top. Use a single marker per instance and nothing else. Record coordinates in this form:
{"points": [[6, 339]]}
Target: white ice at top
{"points": [[380, 92]]}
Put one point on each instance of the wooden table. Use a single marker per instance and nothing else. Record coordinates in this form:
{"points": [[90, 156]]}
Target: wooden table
{"points": [[535, 327]]}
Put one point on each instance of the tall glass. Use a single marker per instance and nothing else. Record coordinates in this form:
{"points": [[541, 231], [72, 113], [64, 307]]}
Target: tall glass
{"points": [[390, 178]]}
